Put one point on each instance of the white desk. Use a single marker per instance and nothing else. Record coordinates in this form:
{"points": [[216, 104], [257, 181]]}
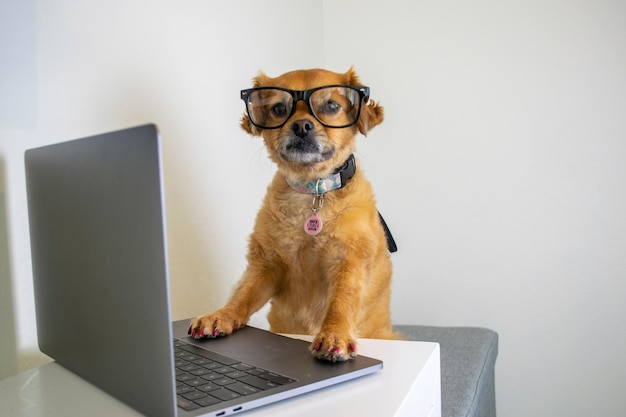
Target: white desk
{"points": [[409, 384]]}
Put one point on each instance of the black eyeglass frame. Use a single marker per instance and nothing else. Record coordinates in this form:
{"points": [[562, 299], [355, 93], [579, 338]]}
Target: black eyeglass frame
{"points": [[305, 95]]}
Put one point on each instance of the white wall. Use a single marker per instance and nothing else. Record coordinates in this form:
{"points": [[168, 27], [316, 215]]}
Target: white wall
{"points": [[98, 67], [500, 166]]}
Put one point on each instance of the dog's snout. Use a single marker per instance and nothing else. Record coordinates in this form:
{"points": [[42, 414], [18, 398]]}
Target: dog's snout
{"points": [[302, 127]]}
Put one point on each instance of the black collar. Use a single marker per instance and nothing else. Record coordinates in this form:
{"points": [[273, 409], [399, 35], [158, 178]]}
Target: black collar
{"points": [[336, 180]]}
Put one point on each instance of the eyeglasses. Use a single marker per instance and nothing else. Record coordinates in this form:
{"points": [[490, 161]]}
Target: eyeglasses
{"points": [[335, 106]]}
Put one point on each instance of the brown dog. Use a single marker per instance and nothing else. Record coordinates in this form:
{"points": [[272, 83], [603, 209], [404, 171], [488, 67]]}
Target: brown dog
{"points": [[318, 250]]}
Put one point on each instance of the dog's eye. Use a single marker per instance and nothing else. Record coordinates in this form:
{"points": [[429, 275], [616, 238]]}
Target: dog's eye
{"points": [[329, 107], [279, 110]]}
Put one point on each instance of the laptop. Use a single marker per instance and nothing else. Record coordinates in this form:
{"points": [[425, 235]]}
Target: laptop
{"points": [[100, 272]]}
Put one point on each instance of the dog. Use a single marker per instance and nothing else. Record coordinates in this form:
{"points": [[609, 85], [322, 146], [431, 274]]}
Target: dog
{"points": [[318, 251]]}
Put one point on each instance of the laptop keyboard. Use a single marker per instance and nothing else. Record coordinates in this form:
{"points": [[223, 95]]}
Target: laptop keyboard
{"points": [[206, 378]]}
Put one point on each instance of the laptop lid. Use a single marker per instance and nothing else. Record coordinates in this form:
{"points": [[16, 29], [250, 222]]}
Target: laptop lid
{"points": [[99, 264], [99, 255]]}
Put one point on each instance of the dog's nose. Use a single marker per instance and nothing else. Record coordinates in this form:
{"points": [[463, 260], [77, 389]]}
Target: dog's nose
{"points": [[302, 127]]}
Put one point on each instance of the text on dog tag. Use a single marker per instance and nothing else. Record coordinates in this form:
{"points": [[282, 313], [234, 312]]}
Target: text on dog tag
{"points": [[313, 225]]}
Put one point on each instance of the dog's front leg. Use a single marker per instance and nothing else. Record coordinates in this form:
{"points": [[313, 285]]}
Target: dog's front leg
{"points": [[335, 341], [254, 289]]}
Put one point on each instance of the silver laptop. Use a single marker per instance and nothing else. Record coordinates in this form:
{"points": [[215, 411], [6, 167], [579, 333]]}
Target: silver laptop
{"points": [[99, 255]]}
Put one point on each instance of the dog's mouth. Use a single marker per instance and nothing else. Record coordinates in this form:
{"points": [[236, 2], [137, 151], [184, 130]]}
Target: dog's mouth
{"points": [[306, 150], [304, 144]]}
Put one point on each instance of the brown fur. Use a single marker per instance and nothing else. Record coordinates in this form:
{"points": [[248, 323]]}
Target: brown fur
{"points": [[335, 285]]}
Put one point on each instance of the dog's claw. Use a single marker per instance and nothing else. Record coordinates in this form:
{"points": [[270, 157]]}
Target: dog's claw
{"points": [[333, 348], [220, 323]]}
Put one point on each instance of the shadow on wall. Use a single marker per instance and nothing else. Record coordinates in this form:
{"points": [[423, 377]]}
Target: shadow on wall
{"points": [[8, 353]]}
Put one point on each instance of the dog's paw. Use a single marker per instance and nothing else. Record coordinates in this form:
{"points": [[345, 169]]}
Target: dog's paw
{"points": [[333, 347], [219, 323]]}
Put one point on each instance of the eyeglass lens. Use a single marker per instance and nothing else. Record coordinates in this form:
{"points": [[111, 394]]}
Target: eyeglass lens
{"points": [[336, 106]]}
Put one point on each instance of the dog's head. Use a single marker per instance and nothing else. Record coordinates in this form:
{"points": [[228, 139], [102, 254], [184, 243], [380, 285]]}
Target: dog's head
{"points": [[309, 119]]}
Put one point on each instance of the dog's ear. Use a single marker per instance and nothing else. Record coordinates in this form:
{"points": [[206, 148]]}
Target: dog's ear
{"points": [[258, 81], [247, 125], [372, 114]]}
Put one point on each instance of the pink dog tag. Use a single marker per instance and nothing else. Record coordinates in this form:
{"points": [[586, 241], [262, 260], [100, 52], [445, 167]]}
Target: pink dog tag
{"points": [[313, 225]]}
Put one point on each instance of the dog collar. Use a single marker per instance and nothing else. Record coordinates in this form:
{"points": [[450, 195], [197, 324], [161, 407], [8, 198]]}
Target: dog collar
{"points": [[333, 182]]}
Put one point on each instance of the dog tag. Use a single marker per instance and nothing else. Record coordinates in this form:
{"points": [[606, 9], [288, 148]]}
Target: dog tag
{"points": [[313, 225]]}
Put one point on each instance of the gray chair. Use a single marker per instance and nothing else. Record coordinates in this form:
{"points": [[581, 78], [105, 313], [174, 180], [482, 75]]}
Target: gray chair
{"points": [[468, 357]]}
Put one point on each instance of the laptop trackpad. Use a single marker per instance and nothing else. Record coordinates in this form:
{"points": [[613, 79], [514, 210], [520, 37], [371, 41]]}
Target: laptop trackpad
{"points": [[253, 345]]}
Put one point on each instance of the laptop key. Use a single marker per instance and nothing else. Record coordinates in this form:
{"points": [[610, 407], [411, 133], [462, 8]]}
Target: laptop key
{"points": [[180, 362], [200, 372], [223, 381], [242, 367], [184, 377], [208, 387], [190, 357], [195, 382], [196, 351], [282, 380], [207, 401], [268, 375], [275, 378], [183, 390], [202, 361], [257, 382], [236, 374], [224, 370], [257, 371], [186, 404], [225, 394], [193, 396], [189, 368], [212, 376], [243, 389]]}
